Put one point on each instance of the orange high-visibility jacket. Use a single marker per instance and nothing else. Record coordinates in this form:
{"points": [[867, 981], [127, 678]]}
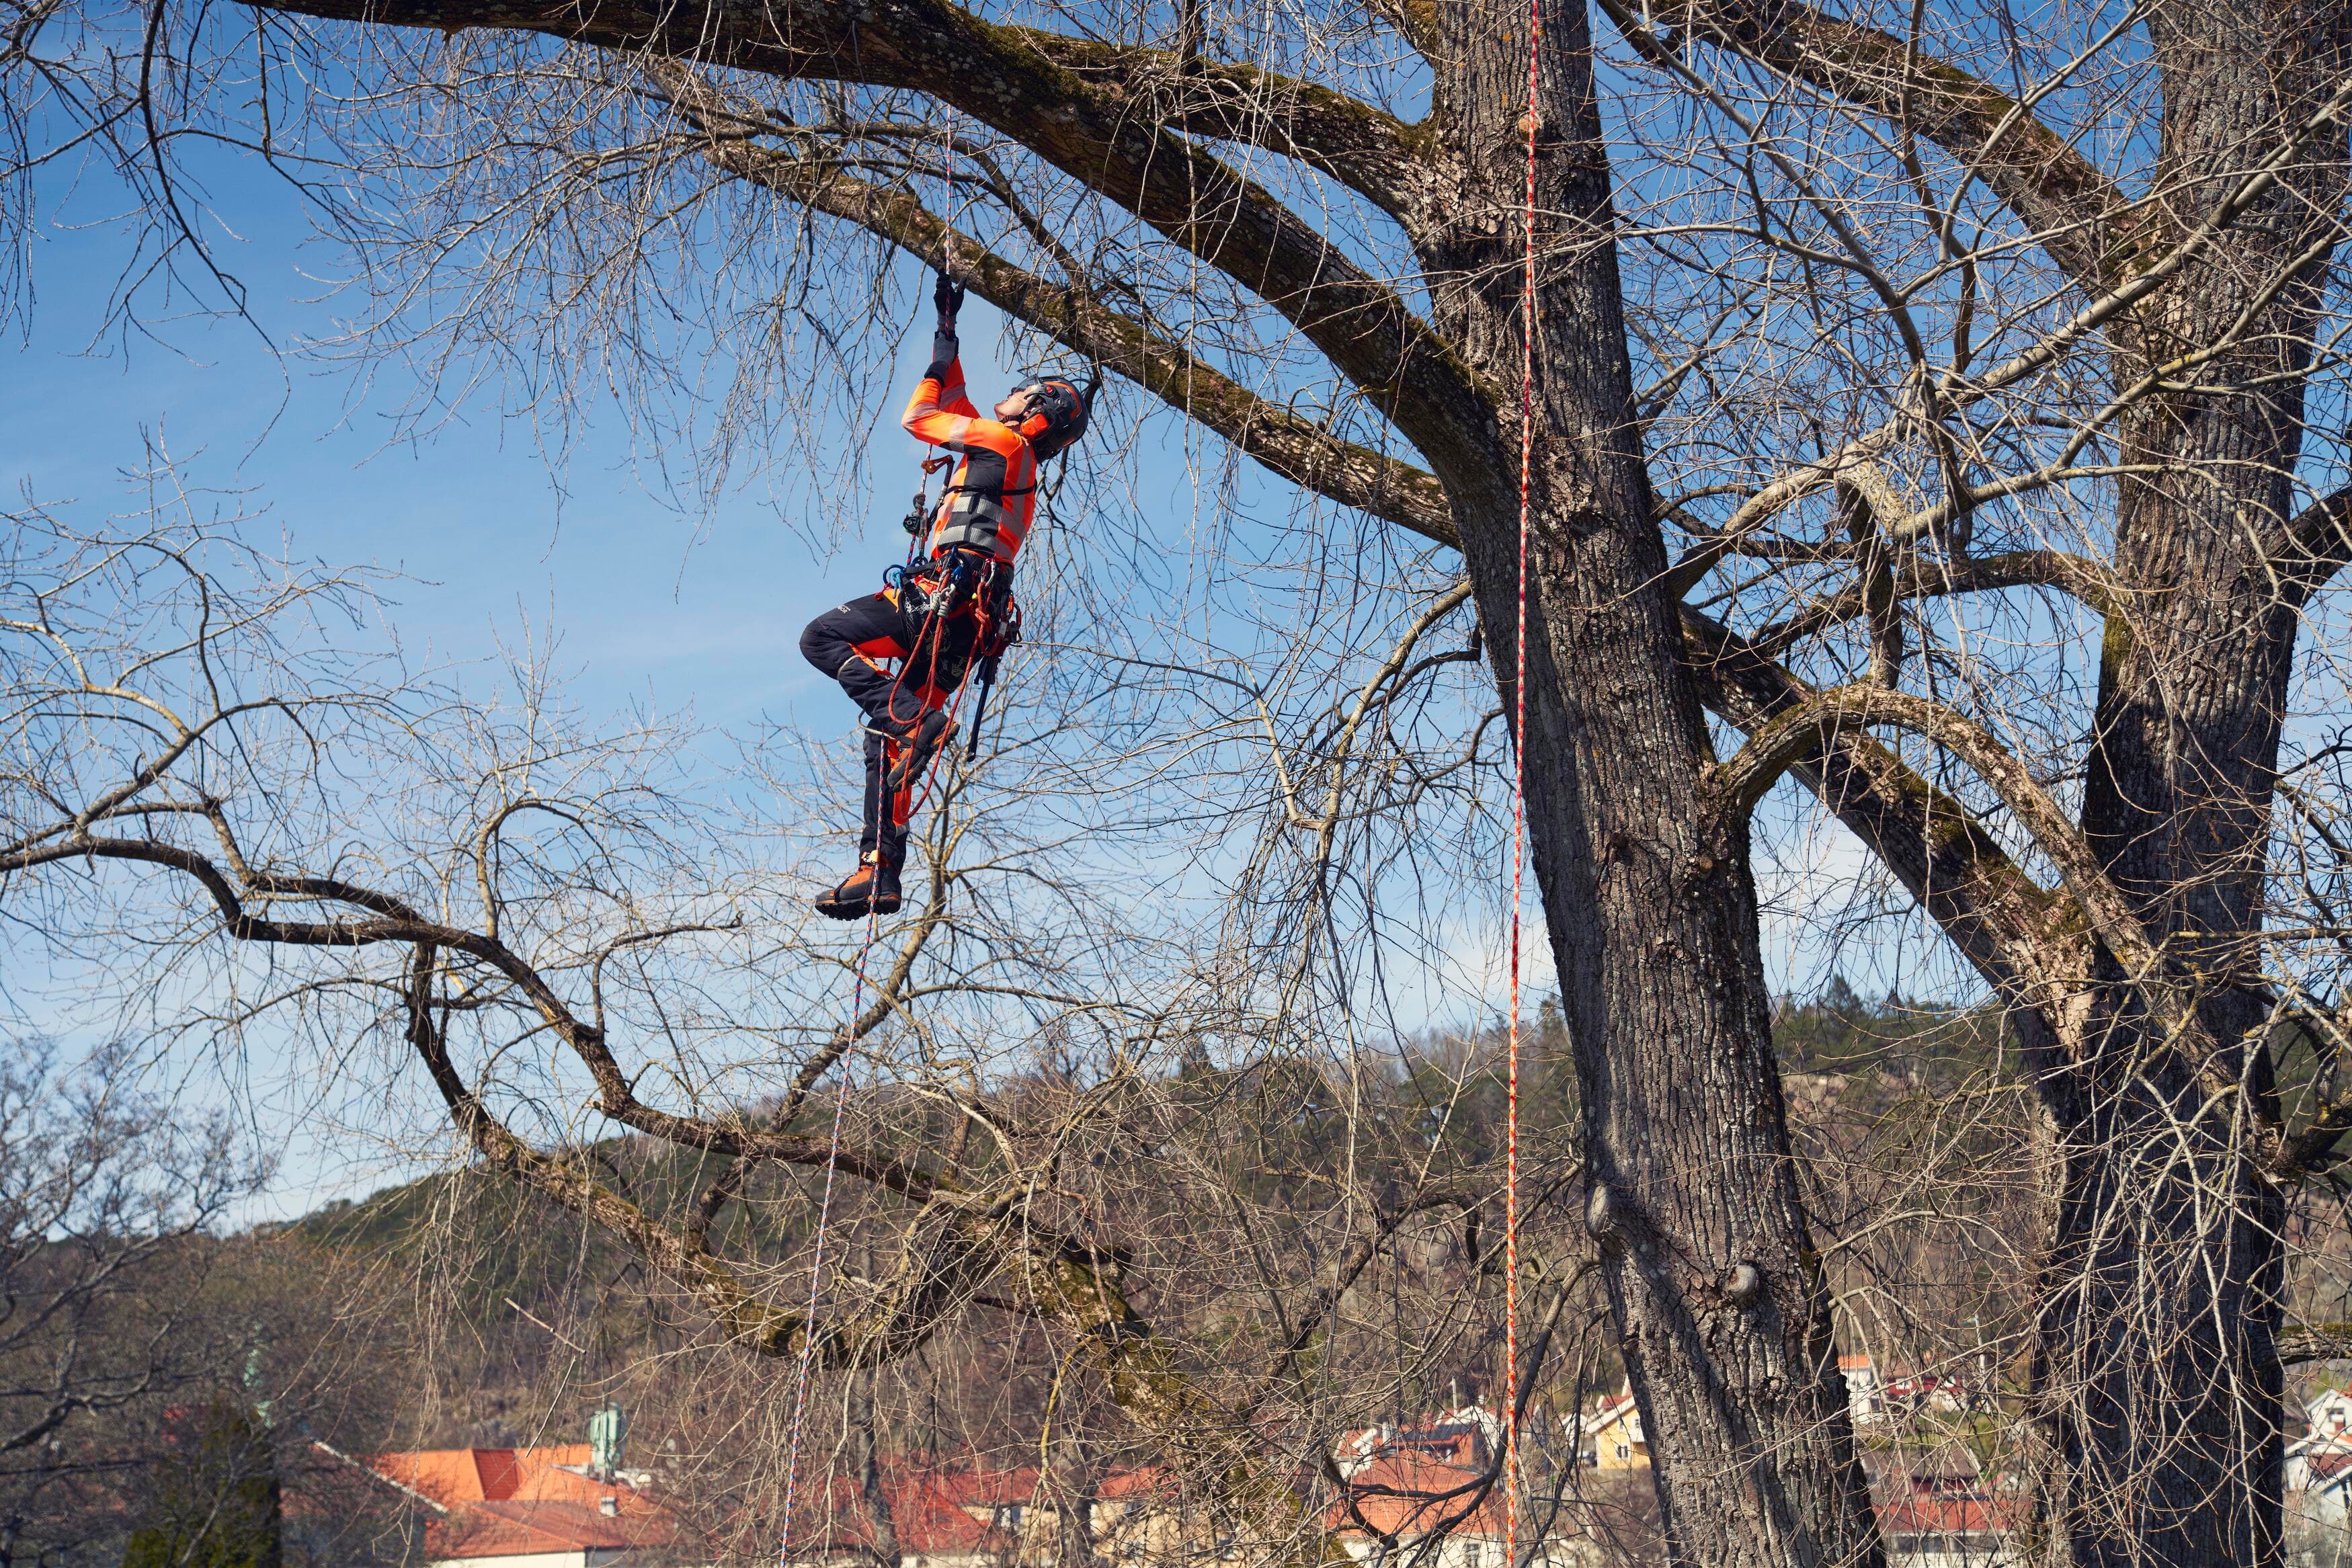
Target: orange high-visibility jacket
{"points": [[994, 491]]}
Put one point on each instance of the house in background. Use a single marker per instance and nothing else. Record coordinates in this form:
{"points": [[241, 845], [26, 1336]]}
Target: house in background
{"points": [[1945, 1520], [550, 1507], [1919, 1391], [1865, 1397], [1876, 1395], [2328, 1418], [2319, 1482], [1468, 1436], [2319, 1463], [1140, 1516], [1408, 1493], [1609, 1437], [967, 1515], [1427, 1494]]}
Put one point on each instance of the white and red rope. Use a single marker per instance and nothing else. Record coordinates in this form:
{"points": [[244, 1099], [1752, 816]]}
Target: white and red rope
{"points": [[1510, 1413]]}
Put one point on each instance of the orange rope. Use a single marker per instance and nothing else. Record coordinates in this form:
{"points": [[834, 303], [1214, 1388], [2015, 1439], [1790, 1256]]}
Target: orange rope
{"points": [[1519, 822]]}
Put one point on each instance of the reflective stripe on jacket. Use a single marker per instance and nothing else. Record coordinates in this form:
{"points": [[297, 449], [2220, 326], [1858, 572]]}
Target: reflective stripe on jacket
{"points": [[994, 490]]}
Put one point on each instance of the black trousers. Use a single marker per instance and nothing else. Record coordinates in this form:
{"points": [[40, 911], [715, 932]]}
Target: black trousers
{"points": [[849, 643]]}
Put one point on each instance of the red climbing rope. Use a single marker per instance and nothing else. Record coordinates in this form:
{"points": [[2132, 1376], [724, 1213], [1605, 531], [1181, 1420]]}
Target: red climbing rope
{"points": [[1519, 822], [934, 630]]}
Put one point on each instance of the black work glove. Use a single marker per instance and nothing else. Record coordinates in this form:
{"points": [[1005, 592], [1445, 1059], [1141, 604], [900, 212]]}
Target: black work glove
{"points": [[948, 296]]}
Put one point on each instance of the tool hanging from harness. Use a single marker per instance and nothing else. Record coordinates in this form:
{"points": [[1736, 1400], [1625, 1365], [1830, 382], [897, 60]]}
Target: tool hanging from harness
{"points": [[963, 583]]}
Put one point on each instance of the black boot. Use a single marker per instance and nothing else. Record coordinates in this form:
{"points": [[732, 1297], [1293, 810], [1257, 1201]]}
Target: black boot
{"points": [[934, 730], [871, 889]]}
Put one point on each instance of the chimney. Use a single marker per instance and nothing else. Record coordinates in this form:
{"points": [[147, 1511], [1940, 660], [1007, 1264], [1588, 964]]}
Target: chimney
{"points": [[608, 1435], [610, 1507]]}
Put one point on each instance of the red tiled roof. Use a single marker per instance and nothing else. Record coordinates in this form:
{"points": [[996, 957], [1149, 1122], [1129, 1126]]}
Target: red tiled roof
{"points": [[476, 1475], [979, 1486], [1409, 1494], [2327, 1464], [502, 1503], [510, 1529], [1952, 1512], [1151, 1480], [931, 1511]]}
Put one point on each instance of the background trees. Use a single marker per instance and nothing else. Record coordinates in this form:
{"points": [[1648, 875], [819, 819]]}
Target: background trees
{"points": [[160, 1380]]}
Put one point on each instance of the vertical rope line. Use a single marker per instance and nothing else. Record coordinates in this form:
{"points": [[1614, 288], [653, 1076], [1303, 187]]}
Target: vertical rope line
{"points": [[858, 990], [816, 1263], [947, 194], [1510, 1413]]}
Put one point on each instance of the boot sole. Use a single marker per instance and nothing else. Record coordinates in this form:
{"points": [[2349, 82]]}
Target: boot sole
{"points": [[858, 908]]}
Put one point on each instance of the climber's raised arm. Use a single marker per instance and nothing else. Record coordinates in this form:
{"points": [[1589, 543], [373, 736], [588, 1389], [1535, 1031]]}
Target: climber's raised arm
{"points": [[939, 404]]}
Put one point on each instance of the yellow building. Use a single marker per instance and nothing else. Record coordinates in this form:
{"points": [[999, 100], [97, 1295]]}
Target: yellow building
{"points": [[1609, 1436]]}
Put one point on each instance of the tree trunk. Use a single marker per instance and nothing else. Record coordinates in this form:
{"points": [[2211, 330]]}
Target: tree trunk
{"points": [[1652, 916], [2157, 1360], [865, 1462]]}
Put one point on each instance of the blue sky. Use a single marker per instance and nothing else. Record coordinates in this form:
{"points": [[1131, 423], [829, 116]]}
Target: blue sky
{"points": [[648, 602], [651, 604]]}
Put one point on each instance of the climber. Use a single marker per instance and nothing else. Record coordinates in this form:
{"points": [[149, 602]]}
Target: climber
{"points": [[952, 606]]}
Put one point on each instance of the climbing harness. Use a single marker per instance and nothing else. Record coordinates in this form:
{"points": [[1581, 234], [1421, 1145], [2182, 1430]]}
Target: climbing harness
{"points": [[976, 518], [935, 594]]}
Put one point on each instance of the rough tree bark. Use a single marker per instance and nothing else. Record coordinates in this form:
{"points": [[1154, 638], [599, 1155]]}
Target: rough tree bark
{"points": [[2160, 1305], [2175, 1456]]}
